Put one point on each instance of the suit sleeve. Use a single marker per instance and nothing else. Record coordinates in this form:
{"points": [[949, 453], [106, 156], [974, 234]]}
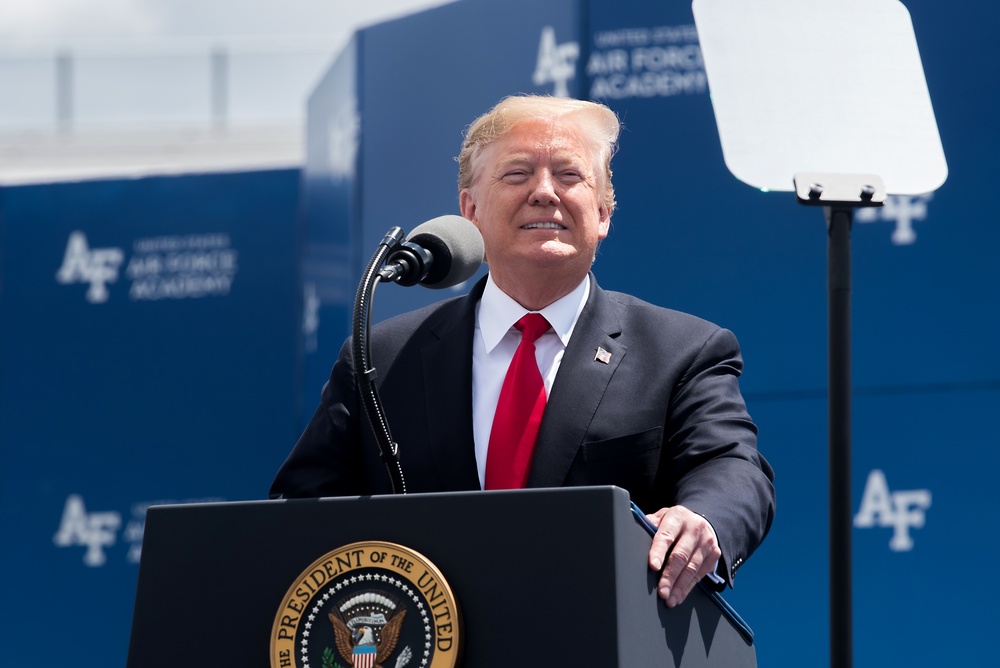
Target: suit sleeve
{"points": [[326, 459], [715, 468]]}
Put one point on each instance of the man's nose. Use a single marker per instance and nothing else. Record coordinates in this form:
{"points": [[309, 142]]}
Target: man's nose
{"points": [[544, 191]]}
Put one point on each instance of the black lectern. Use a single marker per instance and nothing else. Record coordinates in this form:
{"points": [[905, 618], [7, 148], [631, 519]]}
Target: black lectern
{"points": [[546, 577]]}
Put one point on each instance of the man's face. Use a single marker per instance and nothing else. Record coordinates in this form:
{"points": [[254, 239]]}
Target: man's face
{"points": [[538, 200]]}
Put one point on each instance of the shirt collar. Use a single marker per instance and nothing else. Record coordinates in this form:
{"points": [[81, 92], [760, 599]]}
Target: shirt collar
{"points": [[496, 312]]}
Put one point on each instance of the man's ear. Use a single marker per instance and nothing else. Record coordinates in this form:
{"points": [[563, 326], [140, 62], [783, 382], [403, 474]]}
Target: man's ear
{"points": [[604, 222], [467, 205]]}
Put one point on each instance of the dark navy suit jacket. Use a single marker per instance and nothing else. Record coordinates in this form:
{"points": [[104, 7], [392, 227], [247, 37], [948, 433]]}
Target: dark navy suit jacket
{"points": [[663, 418]]}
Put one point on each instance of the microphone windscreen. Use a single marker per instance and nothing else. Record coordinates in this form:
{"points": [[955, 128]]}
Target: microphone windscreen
{"points": [[456, 246]]}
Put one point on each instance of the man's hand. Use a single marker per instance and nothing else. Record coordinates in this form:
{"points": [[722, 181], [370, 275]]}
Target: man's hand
{"points": [[687, 544]]}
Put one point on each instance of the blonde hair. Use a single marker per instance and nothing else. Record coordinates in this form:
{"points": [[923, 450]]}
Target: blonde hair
{"points": [[597, 122]]}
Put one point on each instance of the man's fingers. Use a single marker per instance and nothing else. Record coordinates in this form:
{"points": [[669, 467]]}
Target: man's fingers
{"points": [[688, 572], [685, 546], [667, 532], [682, 565]]}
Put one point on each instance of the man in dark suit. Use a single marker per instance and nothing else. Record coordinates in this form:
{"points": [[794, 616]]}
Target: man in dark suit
{"points": [[632, 394]]}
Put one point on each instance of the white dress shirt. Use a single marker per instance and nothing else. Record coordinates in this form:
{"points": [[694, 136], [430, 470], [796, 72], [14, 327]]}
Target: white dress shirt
{"points": [[495, 341]]}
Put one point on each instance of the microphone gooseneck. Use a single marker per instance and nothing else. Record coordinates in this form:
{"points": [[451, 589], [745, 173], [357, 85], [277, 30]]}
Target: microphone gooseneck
{"points": [[440, 253]]}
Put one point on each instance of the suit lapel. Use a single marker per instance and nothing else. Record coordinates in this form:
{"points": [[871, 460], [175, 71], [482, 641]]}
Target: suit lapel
{"points": [[578, 390], [447, 395]]}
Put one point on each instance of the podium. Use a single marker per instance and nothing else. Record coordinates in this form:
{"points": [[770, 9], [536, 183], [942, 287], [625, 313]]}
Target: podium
{"points": [[542, 577]]}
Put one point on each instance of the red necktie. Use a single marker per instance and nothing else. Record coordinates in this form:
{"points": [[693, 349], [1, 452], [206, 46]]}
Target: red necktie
{"points": [[519, 411]]}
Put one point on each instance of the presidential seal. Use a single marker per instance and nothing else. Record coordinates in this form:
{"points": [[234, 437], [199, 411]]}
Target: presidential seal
{"points": [[368, 605]]}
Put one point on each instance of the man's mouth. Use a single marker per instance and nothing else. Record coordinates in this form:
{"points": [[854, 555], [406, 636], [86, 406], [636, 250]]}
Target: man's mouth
{"points": [[548, 225]]}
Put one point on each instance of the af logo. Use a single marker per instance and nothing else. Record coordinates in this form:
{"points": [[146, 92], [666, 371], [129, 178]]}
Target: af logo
{"points": [[902, 209], [367, 605], [97, 266], [556, 63], [900, 510], [95, 531]]}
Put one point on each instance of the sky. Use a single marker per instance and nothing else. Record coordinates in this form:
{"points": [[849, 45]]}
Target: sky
{"points": [[42, 24]]}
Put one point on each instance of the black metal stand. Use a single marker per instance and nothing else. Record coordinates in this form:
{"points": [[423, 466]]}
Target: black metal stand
{"points": [[362, 359], [839, 194], [839, 400]]}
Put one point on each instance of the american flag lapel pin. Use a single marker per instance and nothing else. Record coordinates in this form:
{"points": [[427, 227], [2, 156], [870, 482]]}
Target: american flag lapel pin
{"points": [[602, 356]]}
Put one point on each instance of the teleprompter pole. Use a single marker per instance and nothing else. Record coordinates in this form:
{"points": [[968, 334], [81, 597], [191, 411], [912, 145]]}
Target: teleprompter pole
{"points": [[839, 330], [839, 194]]}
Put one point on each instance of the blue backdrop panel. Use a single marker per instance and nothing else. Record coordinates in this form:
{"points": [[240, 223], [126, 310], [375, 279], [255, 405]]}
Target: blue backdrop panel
{"points": [[688, 235], [148, 354], [330, 219], [926, 485], [926, 449]]}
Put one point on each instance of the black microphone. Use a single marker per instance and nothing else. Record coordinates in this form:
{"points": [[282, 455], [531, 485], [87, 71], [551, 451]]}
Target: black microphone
{"points": [[440, 253]]}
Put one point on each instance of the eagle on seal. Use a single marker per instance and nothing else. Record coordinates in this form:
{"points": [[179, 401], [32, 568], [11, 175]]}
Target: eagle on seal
{"points": [[355, 645]]}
